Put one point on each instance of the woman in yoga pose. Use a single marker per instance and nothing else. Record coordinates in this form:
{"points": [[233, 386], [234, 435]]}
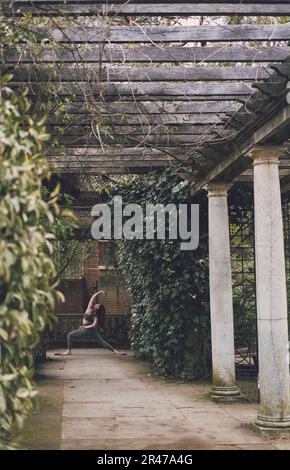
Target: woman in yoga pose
{"points": [[93, 318]]}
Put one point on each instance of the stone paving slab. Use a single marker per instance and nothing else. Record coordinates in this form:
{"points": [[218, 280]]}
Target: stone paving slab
{"points": [[43, 428], [185, 443], [111, 409], [86, 391], [263, 446], [282, 445], [244, 412], [129, 427], [118, 403]]}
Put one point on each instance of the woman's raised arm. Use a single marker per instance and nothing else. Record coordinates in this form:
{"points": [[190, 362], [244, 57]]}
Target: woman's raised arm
{"points": [[93, 298]]}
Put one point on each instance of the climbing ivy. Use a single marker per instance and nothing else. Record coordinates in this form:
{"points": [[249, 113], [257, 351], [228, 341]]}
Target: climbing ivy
{"points": [[27, 298], [168, 287]]}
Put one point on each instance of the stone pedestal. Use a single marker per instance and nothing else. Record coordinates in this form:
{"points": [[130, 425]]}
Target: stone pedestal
{"points": [[221, 304], [274, 410]]}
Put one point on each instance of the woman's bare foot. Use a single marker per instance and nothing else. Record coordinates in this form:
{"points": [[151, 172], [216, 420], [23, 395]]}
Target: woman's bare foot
{"points": [[118, 353], [66, 353]]}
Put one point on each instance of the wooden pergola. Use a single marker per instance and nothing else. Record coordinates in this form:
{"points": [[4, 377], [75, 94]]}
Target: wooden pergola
{"points": [[155, 84], [198, 94]]}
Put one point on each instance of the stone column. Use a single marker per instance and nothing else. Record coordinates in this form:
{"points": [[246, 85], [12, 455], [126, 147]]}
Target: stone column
{"points": [[274, 410], [221, 303]]}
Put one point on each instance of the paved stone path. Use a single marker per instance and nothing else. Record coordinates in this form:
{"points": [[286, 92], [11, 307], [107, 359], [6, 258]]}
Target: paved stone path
{"points": [[108, 402]]}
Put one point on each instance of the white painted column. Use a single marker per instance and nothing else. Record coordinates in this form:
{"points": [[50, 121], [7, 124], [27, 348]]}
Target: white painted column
{"points": [[274, 410], [221, 303]]}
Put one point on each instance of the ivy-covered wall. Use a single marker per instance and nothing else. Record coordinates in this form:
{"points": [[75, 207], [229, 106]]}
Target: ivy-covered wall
{"points": [[168, 287]]}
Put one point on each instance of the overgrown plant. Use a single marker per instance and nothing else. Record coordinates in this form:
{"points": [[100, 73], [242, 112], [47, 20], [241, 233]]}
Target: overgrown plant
{"points": [[168, 287], [67, 251], [27, 297]]}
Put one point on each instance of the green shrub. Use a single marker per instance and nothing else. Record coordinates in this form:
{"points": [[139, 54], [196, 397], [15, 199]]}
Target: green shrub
{"points": [[27, 298], [168, 287]]}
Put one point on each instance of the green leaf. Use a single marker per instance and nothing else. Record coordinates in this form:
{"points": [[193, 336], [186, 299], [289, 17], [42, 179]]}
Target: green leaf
{"points": [[4, 334], [22, 393]]}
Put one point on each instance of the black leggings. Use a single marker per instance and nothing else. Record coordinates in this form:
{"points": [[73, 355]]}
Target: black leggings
{"points": [[87, 333]]}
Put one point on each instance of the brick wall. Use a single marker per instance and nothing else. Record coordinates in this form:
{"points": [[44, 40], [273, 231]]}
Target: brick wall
{"points": [[75, 293], [98, 271]]}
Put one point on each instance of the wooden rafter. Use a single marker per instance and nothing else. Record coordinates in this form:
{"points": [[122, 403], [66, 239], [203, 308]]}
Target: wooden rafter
{"points": [[138, 74], [152, 85], [163, 34], [89, 8], [152, 54], [147, 89], [171, 108]]}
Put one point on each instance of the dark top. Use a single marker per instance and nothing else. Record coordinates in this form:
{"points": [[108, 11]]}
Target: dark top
{"points": [[98, 312], [89, 317]]}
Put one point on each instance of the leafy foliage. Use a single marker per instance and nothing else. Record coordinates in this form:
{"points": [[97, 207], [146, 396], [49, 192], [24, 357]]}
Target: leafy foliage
{"points": [[168, 287], [66, 250], [27, 298]]}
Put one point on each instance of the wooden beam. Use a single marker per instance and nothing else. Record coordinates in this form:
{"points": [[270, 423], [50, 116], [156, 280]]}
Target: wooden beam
{"points": [[76, 162], [129, 139], [89, 160], [147, 108], [116, 152], [129, 120], [142, 89], [120, 108], [152, 54], [92, 167], [274, 125], [152, 34], [113, 170], [167, 99], [161, 9], [141, 130], [264, 132], [97, 155], [247, 176], [176, 89], [91, 73]]}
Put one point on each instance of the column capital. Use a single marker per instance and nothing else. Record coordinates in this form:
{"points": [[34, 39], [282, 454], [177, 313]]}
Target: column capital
{"points": [[217, 189], [267, 153]]}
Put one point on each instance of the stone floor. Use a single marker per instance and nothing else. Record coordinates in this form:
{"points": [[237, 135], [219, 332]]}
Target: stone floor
{"points": [[95, 400]]}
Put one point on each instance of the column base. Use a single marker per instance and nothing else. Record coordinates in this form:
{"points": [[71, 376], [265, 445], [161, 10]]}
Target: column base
{"points": [[272, 424], [226, 394]]}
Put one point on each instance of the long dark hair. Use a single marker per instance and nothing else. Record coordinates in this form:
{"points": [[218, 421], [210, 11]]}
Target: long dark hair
{"points": [[100, 314]]}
